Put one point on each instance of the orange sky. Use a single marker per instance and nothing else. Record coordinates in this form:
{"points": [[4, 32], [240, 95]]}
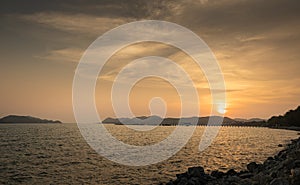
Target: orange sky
{"points": [[256, 43]]}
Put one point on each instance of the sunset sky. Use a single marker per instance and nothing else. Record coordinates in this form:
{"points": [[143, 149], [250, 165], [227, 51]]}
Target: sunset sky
{"points": [[256, 43]]}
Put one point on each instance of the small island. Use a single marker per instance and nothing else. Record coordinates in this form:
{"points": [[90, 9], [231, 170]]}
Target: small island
{"points": [[25, 119]]}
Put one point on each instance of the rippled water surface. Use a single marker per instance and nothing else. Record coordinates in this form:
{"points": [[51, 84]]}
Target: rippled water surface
{"points": [[58, 154]]}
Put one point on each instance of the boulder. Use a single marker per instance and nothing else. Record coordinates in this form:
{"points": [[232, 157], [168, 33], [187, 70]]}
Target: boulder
{"points": [[217, 174], [279, 181], [252, 166], [246, 175], [231, 172], [196, 171]]}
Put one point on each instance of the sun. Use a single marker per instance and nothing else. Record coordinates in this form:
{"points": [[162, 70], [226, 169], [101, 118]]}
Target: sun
{"points": [[222, 108]]}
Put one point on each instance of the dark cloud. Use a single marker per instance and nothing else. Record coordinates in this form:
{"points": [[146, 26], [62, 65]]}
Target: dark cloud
{"points": [[140, 9], [242, 15], [223, 14]]}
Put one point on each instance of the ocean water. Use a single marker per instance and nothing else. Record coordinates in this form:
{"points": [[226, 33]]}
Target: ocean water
{"points": [[58, 154]]}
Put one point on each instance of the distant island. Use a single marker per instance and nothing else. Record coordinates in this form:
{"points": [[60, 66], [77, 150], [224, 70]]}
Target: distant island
{"points": [[288, 120], [25, 119]]}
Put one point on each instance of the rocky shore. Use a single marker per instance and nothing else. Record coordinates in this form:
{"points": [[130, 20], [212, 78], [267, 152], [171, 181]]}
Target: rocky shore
{"points": [[282, 169]]}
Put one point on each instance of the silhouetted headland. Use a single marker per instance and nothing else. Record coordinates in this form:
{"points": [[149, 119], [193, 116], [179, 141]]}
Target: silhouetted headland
{"points": [[289, 120], [25, 119]]}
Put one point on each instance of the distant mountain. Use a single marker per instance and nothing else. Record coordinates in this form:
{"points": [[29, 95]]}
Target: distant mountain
{"points": [[249, 120], [290, 118], [256, 120], [153, 120], [143, 120], [25, 119]]}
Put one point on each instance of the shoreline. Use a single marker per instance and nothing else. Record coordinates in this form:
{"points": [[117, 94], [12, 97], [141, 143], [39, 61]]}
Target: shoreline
{"points": [[287, 128], [281, 169]]}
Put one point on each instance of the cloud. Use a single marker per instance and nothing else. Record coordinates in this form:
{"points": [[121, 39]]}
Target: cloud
{"points": [[63, 55], [74, 23]]}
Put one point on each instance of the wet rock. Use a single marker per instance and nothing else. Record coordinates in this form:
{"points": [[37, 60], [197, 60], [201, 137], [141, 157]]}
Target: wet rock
{"points": [[232, 179], [194, 181], [262, 178], [279, 181], [282, 154], [270, 158], [252, 166], [246, 175], [288, 163], [182, 175], [217, 174], [196, 171], [169, 183], [246, 182], [282, 169], [273, 174], [231, 172], [295, 172], [183, 181], [295, 154]]}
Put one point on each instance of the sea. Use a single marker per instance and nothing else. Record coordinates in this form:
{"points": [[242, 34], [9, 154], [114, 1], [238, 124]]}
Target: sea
{"points": [[58, 153]]}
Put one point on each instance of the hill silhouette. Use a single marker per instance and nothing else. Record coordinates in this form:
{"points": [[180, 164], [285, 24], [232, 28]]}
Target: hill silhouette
{"points": [[290, 118], [25, 119], [167, 121]]}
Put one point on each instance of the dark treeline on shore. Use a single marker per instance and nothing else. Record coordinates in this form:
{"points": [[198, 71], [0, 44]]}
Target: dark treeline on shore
{"points": [[290, 118]]}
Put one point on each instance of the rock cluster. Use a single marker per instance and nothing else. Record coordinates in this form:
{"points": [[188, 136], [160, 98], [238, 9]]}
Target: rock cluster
{"points": [[282, 169]]}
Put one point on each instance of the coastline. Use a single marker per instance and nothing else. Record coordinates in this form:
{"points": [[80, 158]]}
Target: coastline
{"points": [[281, 169], [287, 128]]}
